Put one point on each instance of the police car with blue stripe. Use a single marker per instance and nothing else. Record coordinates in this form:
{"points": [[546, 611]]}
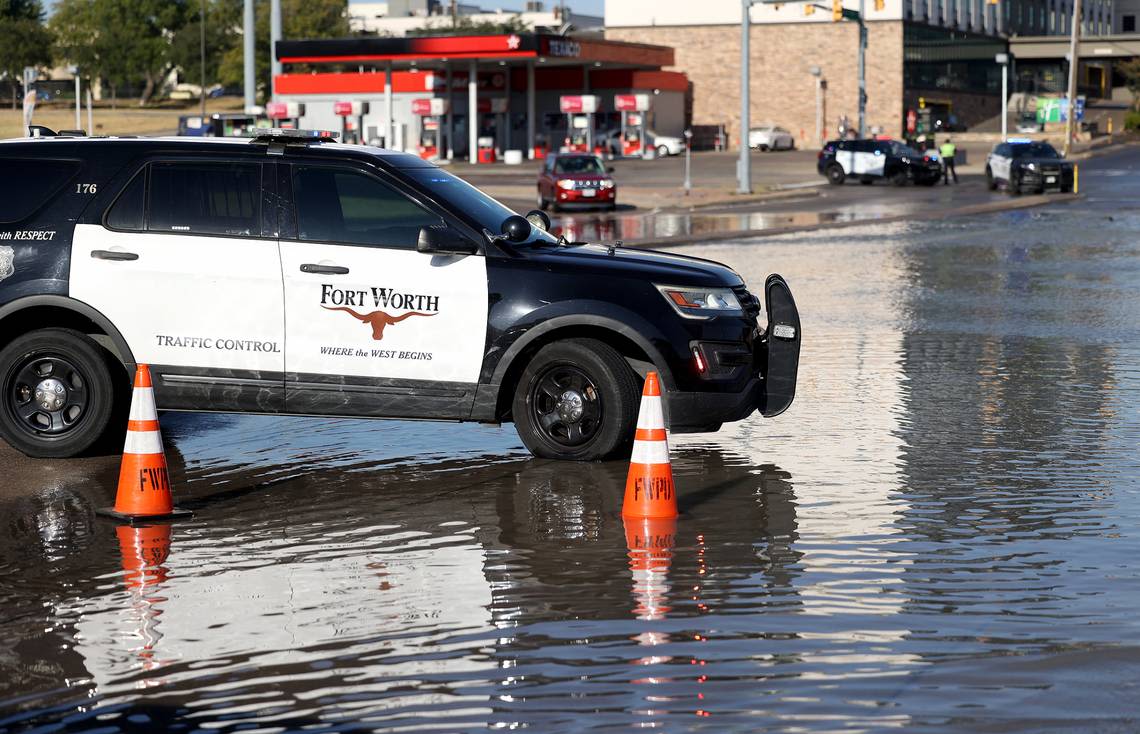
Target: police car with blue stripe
{"points": [[289, 274]]}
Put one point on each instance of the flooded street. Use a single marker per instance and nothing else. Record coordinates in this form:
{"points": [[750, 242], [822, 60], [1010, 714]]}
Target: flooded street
{"points": [[939, 535]]}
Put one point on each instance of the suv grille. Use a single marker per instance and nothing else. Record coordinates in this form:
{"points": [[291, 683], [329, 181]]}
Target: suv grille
{"points": [[750, 303]]}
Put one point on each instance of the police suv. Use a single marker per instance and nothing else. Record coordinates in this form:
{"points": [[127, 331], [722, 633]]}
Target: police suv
{"points": [[868, 160], [1023, 165], [289, 274]]}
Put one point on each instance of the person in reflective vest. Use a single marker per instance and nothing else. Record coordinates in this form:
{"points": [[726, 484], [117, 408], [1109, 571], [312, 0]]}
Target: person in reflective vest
{"points": [[947, 151]]}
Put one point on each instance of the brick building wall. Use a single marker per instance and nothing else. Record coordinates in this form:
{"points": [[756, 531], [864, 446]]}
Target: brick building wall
{"points": [[783, 90]]}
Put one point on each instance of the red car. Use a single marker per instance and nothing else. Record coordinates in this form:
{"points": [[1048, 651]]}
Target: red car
{"points": [[569, 180]]}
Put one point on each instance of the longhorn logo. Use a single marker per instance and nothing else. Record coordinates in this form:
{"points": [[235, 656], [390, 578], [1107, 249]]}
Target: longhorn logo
{"points": [[377, 319]]}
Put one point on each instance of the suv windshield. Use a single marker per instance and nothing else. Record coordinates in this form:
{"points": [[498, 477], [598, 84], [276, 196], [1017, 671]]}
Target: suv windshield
{"points": [[1033, 150], [898, 149], [579, 164], [464, 197]]}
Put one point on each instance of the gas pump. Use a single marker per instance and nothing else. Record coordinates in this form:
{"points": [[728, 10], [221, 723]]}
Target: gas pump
{"points": [[285, 114], [429, 110], [579, 110], [351, 116], [633, 108]]}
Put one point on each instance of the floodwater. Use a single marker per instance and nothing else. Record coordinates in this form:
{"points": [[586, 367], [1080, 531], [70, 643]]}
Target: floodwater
{"points": [[940, 535]]}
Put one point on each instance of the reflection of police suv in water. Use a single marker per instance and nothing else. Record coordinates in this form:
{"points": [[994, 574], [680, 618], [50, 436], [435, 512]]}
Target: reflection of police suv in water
{"points": [[1028, 166], [287, 274], [868, 160]]}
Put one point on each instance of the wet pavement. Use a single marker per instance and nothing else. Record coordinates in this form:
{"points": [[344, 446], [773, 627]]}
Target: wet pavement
{"points": [[939, 535]]}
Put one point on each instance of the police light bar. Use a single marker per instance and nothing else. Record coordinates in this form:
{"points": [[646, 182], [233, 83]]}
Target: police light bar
{"points": [[289, 135], [1019, 140]]}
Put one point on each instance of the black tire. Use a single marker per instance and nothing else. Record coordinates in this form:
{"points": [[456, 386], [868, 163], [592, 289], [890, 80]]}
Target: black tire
{"points": [[571, 425], [763, 148], [835, 174], [543, 202], [991, 184], [86, 403], [662, 151], [1014, 185], [867, 181], [898, 178]]}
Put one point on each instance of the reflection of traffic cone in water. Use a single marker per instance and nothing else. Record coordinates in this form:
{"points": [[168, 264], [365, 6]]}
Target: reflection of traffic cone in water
{"points": [[649, 488], [650, 542], [144, 481], [144, 549]]}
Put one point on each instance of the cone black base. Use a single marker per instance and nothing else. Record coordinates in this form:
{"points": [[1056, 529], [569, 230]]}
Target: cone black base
{"points": [[175, 514]]}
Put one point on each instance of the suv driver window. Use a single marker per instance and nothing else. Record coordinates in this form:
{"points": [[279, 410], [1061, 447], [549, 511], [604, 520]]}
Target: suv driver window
{"points": [[205, 198], [339, 205]]}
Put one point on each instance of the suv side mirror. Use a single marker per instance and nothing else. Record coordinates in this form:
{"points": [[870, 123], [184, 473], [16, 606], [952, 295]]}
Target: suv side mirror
{"points": [[442, 240], [538, 219], [609, 169]]}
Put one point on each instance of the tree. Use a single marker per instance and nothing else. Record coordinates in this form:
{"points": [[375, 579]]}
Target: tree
{"points": [[1130, 70], [24, 40], [122, 41], [299, 19], [465, 26], [223, 23]]}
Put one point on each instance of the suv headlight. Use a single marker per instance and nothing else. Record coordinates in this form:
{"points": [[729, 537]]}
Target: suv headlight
{"points": [[700, 303], [1031, 166], [607, 183], [566, 183]]}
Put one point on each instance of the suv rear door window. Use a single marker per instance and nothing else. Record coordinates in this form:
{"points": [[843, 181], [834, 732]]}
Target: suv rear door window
{"points": [[128, 210], [26, 185], [205, 198], [341, 205]]}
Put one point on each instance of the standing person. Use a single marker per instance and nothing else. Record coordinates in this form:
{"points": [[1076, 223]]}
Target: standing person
{"points": [[947, 150]]}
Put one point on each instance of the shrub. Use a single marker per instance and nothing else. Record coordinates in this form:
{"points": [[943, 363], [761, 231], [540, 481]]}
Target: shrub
{"points": [[1132, 120]]}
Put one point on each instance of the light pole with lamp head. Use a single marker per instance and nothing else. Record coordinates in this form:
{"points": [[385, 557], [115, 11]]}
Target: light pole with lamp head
{"points": [[1003, 59], [817, 72]]}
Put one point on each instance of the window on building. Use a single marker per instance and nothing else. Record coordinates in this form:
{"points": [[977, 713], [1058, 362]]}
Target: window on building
{"points": [[339, 205], [1128, 24]]}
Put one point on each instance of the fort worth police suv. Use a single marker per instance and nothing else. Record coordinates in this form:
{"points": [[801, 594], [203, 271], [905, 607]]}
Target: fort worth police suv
{"points": [[289, 274]]}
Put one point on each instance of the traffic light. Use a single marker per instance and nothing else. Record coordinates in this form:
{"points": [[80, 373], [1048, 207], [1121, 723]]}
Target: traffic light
{"points": [[991, 2], [879, 4], [809, 9], [836, 10]]}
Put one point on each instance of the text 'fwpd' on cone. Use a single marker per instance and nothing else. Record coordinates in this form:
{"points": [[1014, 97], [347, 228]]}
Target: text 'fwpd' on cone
{"points": [[649, 490], [144, 481]]}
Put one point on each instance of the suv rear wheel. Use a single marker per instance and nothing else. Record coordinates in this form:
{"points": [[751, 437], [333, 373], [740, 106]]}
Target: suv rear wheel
{"points": [[576, 400], [835, 174], [57, 393]]}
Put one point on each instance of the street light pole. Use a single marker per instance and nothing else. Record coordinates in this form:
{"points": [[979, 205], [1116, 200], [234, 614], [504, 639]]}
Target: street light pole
{"points": [[1003, 59], [688, 184], [744, 165], [817, 72], [1074, 64]]}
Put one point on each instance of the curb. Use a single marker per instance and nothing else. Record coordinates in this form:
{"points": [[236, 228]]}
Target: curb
{"points": [[1025, 202]]}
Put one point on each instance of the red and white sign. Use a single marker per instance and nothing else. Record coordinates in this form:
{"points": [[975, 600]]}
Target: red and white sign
{"points": [[429, 107], [911, 120], [348, 109], [284, 110], [573, 104], [631, 102], [492, 105]]}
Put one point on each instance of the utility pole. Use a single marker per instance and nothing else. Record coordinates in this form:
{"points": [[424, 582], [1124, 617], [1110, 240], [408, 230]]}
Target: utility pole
{"points": [[202, 57], [274, 37], [249, 79], [1003, 59], [744, 165], [1074, 64], [863, 72], [817, 72]]}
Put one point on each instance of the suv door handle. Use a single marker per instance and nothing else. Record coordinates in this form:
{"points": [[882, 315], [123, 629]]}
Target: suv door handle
{"points": [[324, 269], [113, 255]]}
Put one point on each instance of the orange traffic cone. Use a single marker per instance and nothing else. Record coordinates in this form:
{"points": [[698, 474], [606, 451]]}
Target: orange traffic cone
{"points": [[649, 488], [144, 481]]}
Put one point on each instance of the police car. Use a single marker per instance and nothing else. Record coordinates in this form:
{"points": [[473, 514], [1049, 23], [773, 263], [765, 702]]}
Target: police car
{"points": [[1022, 165], [868, 160], [288, 274]]}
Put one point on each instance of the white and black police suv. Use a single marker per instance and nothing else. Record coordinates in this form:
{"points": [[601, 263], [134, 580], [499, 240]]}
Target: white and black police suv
{"points": [[1028, 166], [288, 274], [870, 160]]}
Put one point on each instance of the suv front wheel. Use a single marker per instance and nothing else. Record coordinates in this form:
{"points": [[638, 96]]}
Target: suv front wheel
{"points": [[576, 400], [57, 394]]}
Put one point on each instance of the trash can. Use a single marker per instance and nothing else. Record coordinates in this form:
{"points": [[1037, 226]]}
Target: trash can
{"points": [[486, 150]]}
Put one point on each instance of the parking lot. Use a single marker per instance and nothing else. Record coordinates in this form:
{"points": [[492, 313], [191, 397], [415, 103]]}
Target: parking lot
{"points": [[938, 536]]}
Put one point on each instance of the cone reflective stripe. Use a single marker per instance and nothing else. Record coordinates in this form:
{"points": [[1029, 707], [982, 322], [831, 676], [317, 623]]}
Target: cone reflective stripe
{"points": [[649, 490], [144, 480]]}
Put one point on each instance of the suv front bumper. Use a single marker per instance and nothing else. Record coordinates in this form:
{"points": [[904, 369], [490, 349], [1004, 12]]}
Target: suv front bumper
{"points": [[774, 370]]}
